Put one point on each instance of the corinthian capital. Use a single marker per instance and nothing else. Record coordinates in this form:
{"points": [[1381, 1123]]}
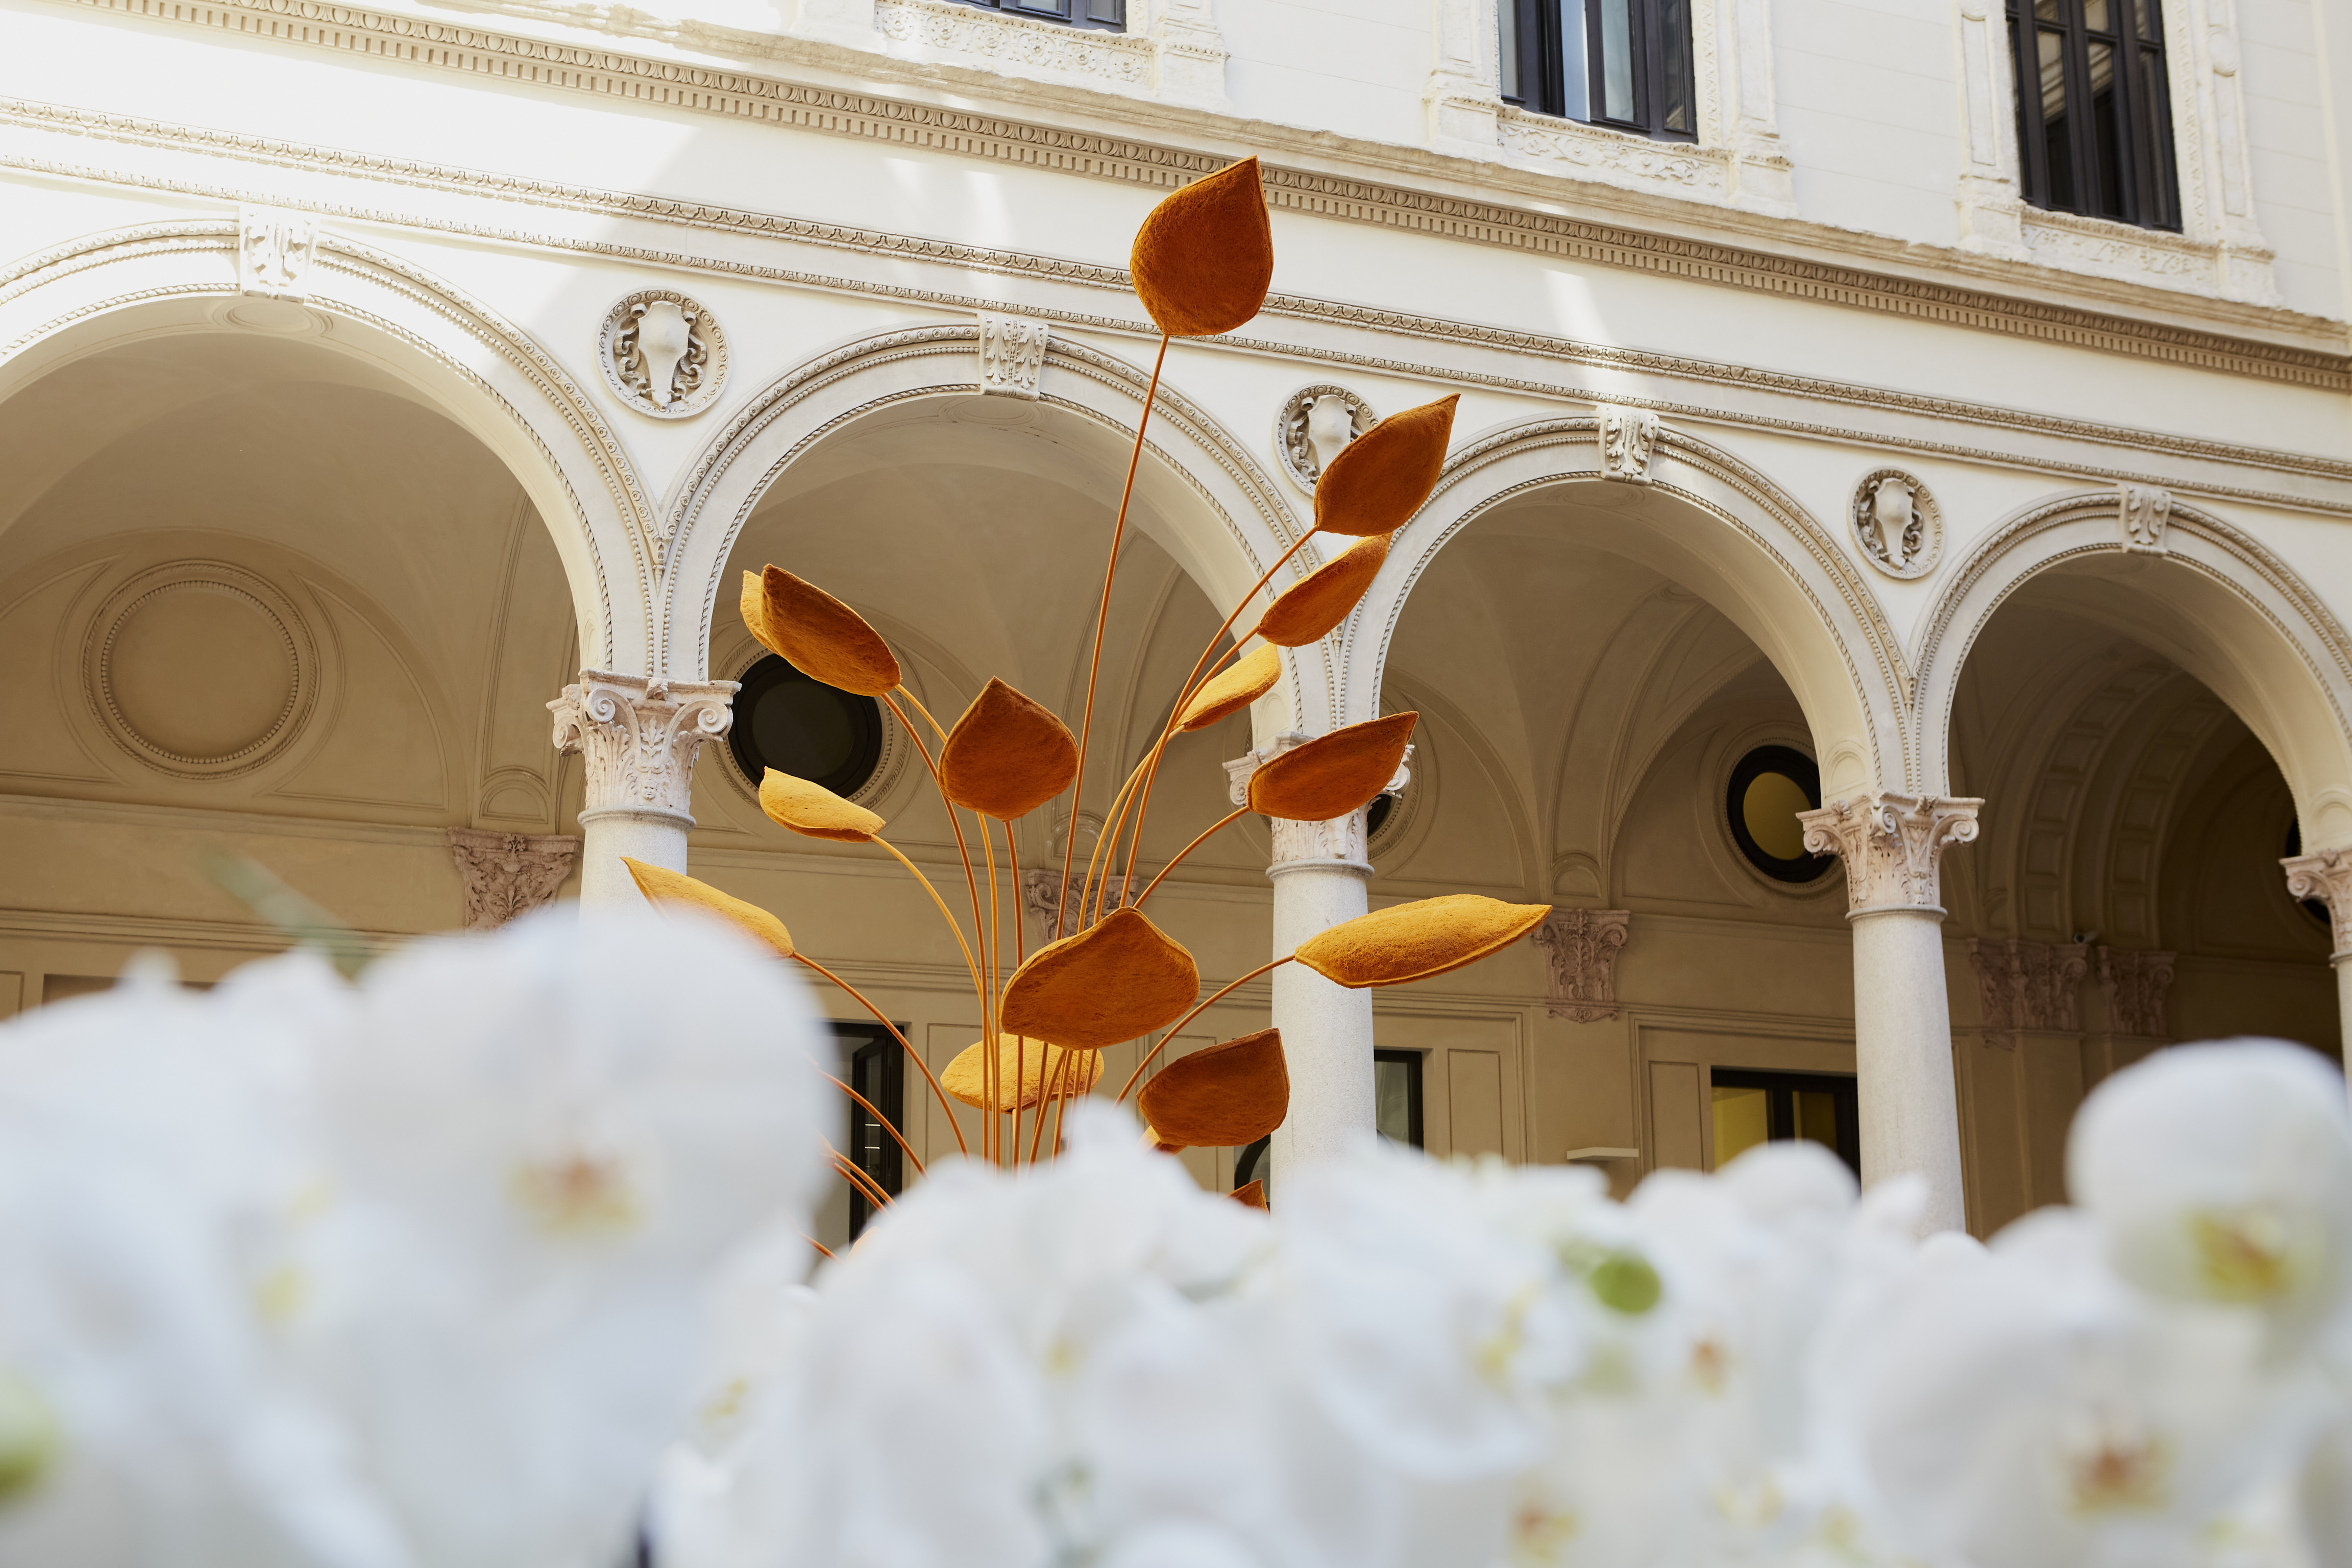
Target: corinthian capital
{"points": [[1339, 842], [640, 739], [1893, 847], [2328, 877]]}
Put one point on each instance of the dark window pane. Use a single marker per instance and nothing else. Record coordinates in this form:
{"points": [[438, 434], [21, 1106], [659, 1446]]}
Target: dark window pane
{"points": [[2047, 11], [1575, 64], [2106, 121], [2094, 15], [1616, 59], [2151, 25], [1396, 1096], [1676, 112], [1508, 43], [2152, 145], [1112, 12], [2057, 131]]}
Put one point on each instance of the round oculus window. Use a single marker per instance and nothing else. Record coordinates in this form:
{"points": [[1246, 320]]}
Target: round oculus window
{"points": [[1768, 787], [796, 725]]}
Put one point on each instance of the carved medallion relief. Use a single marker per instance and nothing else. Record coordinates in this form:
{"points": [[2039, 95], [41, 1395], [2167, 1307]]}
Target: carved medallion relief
{"points": [[200, 668], [1313, 427], [1896, 524], [663, 354]]}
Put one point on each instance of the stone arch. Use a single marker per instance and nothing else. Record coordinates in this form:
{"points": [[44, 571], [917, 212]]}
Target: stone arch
{"points": [[2198, 590], [459, 357], [1710, 522], [1233, 521]]}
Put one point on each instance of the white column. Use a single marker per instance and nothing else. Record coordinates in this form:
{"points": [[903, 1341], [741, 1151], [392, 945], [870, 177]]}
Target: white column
{"points": [[2328, 877], [1319, 871], [639, 739], [1893, 847]]}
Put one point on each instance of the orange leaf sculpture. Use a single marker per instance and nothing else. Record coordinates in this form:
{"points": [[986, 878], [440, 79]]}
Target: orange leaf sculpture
{"points": [[814, 810], [1220, 1097], [1310, 609], [1024, 1070], [1415, 940], [1007, 755], [1380, 479], [1251, 678], [1205, 257], [661, 886], [1117, 979], [1333, 775], [1252, 1196], [818, 635]]}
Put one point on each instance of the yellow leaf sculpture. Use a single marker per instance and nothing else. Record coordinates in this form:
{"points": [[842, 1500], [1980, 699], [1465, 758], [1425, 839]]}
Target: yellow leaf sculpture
{"points": [[1380, 479], [1415, 940], [1333, 775], [1007, 755], [1220, 1097], [1025, 1071], [814, 810], [1310, 609], [661, 886], [1203, 260], [1251, 678], [1117, 979], [818, 635]]}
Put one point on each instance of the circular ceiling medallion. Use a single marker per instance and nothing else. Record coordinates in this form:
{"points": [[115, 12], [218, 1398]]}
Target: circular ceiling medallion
{"points": [[663, 354], [200, 668], [1314, 425], [1896, 524]]}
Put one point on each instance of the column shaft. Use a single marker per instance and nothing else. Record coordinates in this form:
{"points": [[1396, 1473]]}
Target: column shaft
{"points": [[1902, 1058], [1326, 1030]]}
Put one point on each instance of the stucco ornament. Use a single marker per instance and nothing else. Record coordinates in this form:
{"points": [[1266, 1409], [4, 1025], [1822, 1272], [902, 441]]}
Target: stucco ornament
{"points": [[1316, 423], [1897, 526], [663, 354]]}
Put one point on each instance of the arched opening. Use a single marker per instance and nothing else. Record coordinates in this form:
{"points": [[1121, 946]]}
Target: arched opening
{"points": [[265, 597]]}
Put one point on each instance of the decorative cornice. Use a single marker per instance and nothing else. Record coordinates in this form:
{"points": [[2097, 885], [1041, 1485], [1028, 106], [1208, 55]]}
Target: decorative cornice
{"points": [[1893, 847], [91, 126], [611, 74]]}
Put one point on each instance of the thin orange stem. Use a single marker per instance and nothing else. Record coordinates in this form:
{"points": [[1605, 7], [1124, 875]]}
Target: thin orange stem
{"points": [[1237, 811], [920, 1065], [1060, 1106], [815, 1243], [1013, 871], [970, 963], [926, 713], [1053, 1096], [1102, 618], [1096, 860], [871, 1111], [1151, 764], [993, 954], [1195, 1012], [858, 1179]]}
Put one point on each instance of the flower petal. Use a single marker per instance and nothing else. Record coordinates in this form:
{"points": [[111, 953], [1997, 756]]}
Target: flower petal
{"points": [[661, 886], [1220, 1097], [1007, 755], [1308, 610], [1415, 940], [1119, 979], [1204, 257], [818, 635], [1380, 479], [814, 810], [1250, 678], [1332, 774]]}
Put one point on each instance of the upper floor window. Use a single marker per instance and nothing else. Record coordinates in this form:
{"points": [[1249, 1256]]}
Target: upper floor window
{"points": [[1108, 15], [1620, 63], [2092, 123]]}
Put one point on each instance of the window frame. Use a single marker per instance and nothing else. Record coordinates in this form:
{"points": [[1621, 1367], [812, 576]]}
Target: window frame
{"points": [[1088, 16], [2139, 105], [1540, 81], [1779, 1105], [763, 675]]}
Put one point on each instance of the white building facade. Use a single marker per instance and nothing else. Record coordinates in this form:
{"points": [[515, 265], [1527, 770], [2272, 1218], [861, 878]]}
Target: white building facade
{"points": [[1837, 434]]}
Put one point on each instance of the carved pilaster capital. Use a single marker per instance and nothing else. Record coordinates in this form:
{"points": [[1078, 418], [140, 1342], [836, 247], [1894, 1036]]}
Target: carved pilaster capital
{"points": [[1339, 842], [2028, 986], [1893, 847], [2328, 877], [1582, 946], [640, 739], [1043, 898], [508, 874], [2137, 983]]}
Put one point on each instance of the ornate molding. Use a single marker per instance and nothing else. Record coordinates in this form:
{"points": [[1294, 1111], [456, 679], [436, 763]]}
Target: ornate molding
{"points": [[275, 250], [1011, 353], [1582, 947], [1893, 847], [1043, 899], [2145, 514], [1316, 423], [663, 354], [1895, 523], [2028, 986], [640, 739], [2135, 984], [1121, 61], [2328, 877], [1629, 439], [1339, 842], [509, 874]]}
